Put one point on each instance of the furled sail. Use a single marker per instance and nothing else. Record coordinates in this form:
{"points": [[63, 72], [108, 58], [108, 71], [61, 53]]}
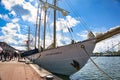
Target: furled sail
{"points": [[108, 34]]}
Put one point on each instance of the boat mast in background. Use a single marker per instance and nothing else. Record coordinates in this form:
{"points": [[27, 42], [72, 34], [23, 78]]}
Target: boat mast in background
{"points": [[54, 38], [28, 41]]}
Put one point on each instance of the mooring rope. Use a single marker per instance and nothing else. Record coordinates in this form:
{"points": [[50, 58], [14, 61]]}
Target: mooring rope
{"points": [[82, 46]]}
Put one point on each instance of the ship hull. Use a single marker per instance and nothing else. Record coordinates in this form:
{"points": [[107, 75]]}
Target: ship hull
{"points": [[65, 60]]}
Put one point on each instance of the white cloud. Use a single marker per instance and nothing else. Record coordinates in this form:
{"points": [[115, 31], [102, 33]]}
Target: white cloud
{"points": [[33, 12], [20, 47], [11, 34], [62, 40], [10, 28], [7, 4], [13, 13], [0, 16], [5, 17], [63, 24], [15, 20], [10, 3], [31, 0], [83, 34]]}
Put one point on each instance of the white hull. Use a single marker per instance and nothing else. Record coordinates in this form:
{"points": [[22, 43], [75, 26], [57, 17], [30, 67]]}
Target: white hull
{"points": [[59, 60]]}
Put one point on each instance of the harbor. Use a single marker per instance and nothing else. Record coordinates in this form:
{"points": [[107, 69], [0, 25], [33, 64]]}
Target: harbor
{"points": [[14, 70], [59, 40]]}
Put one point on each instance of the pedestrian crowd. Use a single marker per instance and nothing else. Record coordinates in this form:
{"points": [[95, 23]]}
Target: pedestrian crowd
{"points": [[8, 56]]}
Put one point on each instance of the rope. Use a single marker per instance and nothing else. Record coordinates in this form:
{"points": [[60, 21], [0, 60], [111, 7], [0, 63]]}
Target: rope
{"points": [[109, 49], [83, 22], [82, 46]]}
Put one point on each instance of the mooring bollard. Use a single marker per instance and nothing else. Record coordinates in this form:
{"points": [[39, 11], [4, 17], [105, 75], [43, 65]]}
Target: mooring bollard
{"points": [[49, 77]]}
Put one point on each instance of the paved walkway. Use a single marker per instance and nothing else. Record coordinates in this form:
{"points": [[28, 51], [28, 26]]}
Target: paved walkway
{"points": [[17, 71], [14, 70]]}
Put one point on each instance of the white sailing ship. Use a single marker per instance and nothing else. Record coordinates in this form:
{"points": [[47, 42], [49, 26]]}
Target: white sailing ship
{"points": [[70, 58]]}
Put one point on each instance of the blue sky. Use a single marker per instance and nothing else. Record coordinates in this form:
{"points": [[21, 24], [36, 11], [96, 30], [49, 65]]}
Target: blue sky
{"points": [[95, 15]]}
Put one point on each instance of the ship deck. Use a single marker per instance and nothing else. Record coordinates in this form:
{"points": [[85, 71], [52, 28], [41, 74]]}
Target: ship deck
{"points": [[14, 70]]}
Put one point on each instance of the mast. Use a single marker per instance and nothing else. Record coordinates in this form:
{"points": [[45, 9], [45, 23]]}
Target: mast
{"points": [[54, 33], [39, 29], [28, 42], [35, 35], [44, 27], [64, 12], [36, 27]]}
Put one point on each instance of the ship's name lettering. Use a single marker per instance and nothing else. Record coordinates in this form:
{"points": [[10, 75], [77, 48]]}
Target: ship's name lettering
{"points": [[54, 53]]}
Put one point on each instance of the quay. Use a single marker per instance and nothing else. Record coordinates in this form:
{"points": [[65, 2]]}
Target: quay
{"points": [[14, 70]]}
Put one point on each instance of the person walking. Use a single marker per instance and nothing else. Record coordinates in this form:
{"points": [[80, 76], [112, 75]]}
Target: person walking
{"points": [[1, 50], [1, 55], [5, 55]]}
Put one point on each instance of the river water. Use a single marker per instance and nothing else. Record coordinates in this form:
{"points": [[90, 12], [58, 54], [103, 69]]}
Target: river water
{"points": [[110, 65]]}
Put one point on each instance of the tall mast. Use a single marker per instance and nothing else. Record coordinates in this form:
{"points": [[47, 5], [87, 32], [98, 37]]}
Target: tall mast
{"points": [[28, 42], [44, 28], [36, 27], [64, 12], [39, 29], [54, 38], [35, 35]]}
